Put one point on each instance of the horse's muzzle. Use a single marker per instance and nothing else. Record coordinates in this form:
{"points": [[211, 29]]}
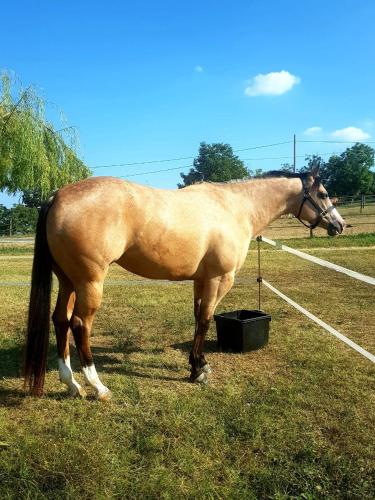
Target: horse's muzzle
{"points": [[335, 228]]}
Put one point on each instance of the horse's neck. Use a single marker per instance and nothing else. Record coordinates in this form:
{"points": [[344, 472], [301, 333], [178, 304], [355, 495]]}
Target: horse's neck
{"points": [[265, 200]]}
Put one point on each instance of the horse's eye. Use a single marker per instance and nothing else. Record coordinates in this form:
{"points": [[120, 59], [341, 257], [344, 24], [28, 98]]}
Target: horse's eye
{"points": [[323, 196]]}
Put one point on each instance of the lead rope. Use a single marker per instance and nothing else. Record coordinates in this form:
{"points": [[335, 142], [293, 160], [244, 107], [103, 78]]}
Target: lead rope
{"points": [[259, 278]]}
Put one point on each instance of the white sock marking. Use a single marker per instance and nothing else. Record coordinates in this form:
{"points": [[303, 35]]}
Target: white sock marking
{"points": [[92, 378], [66, 375]]}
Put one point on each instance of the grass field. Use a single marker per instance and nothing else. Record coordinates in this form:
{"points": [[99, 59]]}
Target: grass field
{"points": [[292, 420], [357, 224]]}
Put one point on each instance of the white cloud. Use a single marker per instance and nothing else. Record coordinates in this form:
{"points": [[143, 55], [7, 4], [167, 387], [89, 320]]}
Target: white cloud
{"points": [[313, 131], [351, 134], [274, 83], [198, 69]]}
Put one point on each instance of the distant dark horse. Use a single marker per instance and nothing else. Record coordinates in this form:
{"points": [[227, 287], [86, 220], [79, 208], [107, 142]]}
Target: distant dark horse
{"points": [[200, 233]]}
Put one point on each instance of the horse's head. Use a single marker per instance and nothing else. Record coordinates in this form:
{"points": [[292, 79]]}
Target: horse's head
{"points": [[316, 207]]}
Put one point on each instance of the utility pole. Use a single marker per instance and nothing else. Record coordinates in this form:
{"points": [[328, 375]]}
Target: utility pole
{"points": [[294, 153]]}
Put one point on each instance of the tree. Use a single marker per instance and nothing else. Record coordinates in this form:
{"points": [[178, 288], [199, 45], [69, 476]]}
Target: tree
{"points": [[216, 163], [347, 173], [350, 172], [33, 155], [287, 167], [4, 220], [32, 198], [258, 172], [18, 220], [314, 161], [24, 219]]}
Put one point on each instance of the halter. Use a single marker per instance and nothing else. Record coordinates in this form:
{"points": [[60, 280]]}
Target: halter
{"points": [[321, 213]]}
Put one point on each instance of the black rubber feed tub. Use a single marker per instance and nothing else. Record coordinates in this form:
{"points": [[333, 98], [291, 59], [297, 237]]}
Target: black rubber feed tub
{"points": [[242, 331]]}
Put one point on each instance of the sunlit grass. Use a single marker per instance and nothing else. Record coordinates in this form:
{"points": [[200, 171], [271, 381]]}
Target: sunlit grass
{"points": [[294, 419]]}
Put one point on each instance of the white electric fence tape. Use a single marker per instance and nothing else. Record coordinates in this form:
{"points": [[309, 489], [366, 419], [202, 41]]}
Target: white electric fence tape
{"points": [[324, 325], [321, 262]]}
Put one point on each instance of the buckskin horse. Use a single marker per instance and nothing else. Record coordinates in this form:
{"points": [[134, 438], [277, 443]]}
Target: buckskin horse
{"points": [[201, 233]]}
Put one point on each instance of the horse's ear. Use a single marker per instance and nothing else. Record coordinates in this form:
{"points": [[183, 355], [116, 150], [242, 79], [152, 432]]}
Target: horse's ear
{"points": [[315, 171]]}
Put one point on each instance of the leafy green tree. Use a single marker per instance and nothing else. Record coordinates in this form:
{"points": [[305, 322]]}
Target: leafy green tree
{"points": [[24, 219], [347, 173], [287, 167], [216, 163], [18, 220], [258, 172], [33, 155], [315, 161], [4, 220], [350, 172], [32, 198]]}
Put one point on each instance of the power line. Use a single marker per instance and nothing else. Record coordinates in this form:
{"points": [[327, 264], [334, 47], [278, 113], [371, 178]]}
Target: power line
{"points": [[141, 162], [283, 157], [155, 171], [114, 165], [148, 162], [183, 157], [189, 166], [343, 142], [264, 146]]}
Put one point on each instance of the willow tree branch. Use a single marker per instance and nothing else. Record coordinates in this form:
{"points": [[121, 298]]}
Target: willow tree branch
{"points": [[8, 117]]}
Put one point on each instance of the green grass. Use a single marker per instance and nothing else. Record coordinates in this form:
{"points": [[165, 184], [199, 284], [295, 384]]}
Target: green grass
{"points": [[351, 240], [16, 250], [292, 420]]}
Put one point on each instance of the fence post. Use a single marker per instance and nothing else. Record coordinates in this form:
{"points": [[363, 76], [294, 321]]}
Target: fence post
{"points": [[10, 224], [363, 200]]}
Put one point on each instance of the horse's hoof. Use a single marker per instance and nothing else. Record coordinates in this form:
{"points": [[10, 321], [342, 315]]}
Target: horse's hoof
{"points": [[201, 379], [206, 368], [104, 396], [77, 392]]}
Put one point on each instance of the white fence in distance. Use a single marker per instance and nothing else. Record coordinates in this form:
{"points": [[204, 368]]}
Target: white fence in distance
{"points": [[321, 262], [329, 265]]}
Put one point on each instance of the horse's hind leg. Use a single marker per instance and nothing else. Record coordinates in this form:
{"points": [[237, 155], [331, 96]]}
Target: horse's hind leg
{"points": [[61, 320], [88, 299]]}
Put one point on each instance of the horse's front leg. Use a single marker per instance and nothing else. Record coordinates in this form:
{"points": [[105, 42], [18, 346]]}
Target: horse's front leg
{"points": [[207, 295]]}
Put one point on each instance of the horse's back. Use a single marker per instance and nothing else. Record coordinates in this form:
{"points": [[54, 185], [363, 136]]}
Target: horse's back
{"points": [[152, 232]]}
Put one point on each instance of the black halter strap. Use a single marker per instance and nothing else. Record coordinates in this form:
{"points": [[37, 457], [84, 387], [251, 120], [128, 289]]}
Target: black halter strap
{"points": [[320, 212]]}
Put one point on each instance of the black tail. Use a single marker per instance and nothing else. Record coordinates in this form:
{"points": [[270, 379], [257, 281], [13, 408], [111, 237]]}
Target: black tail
{"points": [[39, 309]]}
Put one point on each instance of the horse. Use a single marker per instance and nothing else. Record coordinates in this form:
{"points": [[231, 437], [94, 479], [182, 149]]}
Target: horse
{"points": [[200, 233]]}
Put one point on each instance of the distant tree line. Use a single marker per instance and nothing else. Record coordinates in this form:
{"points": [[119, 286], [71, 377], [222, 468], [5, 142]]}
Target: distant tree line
{"points": [[347, 173], [17, 220]]}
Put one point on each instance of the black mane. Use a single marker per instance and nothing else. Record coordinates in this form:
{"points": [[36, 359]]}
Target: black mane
{"points": [[284, 173]]}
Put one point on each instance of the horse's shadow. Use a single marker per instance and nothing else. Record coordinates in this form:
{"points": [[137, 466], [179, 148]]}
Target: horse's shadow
{"points": [[12, 391], [209, 346], [10, 368], [10, 361], [106, 359], [110, 364], [107, 362]]}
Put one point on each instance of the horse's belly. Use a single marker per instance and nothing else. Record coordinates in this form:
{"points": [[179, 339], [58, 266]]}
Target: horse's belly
{"points": [[159, 265]]}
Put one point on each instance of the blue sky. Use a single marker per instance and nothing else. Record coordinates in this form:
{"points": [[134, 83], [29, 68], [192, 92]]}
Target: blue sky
{"points": [[151, 80]]}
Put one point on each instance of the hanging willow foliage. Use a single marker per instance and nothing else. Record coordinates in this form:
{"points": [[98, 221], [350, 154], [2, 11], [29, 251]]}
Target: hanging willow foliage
{"points": [[34, 156]]}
